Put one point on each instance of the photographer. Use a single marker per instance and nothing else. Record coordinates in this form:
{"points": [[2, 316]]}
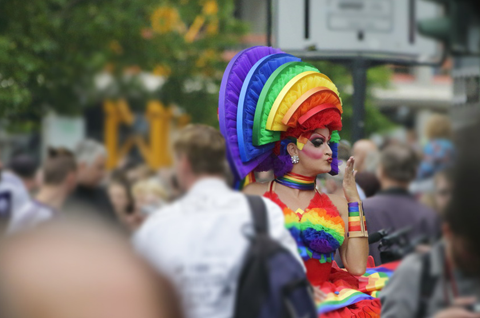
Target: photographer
{"points": [[444, 282]]}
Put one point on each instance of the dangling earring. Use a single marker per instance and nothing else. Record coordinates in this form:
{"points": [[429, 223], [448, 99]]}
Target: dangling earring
{"points": [[295, 159]]}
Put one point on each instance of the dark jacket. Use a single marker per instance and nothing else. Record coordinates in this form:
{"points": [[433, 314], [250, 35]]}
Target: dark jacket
{"points": [[396, 209], [87, 200]]}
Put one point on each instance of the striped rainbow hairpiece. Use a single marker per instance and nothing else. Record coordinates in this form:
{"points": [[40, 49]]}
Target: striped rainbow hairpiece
{"points": [[265, 92]]}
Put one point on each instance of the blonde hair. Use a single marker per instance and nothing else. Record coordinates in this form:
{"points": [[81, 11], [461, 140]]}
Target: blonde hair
{"points": [[149, 186], [204, 148], [438, 127]]}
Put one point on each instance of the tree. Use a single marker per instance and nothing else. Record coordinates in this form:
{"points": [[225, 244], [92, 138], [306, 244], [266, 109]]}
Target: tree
{"points": [[378, 77], [51, 50]]}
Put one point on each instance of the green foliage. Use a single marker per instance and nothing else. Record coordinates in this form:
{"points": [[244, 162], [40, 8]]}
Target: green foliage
{"points": [[377, 77], [51, 50]]}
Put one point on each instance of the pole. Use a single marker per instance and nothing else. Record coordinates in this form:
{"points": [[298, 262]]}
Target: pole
{"points": [[110, 132], [359, 76], [269, 22]]}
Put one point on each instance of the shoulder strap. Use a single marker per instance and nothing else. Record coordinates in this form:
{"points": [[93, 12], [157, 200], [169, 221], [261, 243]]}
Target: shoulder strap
{"points": [[271, 186], [259, 214], [427, 285]]}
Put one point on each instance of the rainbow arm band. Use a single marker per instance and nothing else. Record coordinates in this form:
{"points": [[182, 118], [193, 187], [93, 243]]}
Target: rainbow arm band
{"points": [[357, 223]]}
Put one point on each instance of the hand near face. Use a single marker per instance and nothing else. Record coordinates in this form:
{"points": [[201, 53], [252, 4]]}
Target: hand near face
{"points": [[349, 184]]}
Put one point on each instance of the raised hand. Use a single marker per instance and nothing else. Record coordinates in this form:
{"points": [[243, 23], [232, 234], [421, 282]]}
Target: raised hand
{"points": [[349, 184]]}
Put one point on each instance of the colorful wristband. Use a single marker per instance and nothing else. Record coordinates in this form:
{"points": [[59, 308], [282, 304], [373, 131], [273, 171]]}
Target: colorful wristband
{"points": [[357, 224]]}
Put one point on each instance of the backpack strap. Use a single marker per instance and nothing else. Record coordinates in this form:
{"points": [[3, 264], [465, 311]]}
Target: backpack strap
{"points": [[259, 214], [253, 287], [427, 285]]}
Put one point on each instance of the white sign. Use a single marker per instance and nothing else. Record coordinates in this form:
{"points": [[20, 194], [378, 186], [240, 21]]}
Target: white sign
{"points": [[62, 131], [386, 27]]}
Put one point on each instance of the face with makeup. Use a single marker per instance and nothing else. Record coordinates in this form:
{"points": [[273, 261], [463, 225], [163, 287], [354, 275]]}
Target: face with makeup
{"points": [[316, 156]]}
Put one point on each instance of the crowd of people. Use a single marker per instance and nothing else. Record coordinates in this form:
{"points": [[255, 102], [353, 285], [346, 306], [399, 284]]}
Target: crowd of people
{"points": [[74, 181], [341, 230], [211, 217]]}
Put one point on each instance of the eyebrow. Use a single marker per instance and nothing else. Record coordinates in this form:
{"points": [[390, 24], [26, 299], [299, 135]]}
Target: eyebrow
{"points": [[313, 137]]}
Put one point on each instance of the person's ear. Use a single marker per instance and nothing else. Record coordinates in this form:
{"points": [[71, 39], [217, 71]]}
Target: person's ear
{"points": [[185, 164], [292, 149]]}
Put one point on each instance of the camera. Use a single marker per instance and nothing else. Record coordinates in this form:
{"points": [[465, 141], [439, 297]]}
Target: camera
{"points": [[397, 245]]}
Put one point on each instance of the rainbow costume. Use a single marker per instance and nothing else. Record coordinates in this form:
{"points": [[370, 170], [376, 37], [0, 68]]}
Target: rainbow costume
{"points": [[267, 100]]}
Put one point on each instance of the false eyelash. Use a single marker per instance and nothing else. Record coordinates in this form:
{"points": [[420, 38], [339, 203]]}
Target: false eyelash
{"points": [[317, 142]]}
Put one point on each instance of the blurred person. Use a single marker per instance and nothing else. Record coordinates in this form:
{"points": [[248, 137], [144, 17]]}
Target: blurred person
{"points": [[140, 172], [13, 195], [59, 179], [368, 182], [412, 141], [344, 150], [167, 179], [334, 184], [120, 193], [438, 154], [149, 196], [199, 241], [363, 149], [440, 196], [79, 269], [89, 195], [25, 167], [445, 283], [344, 153], [394, 208], [443, 189]]}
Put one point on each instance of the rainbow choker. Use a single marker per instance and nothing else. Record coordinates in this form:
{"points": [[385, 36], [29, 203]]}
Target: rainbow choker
{"points": [[296, 181]]}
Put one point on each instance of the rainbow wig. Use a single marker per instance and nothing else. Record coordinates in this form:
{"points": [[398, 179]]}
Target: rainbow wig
{"points": [[269, 99]]}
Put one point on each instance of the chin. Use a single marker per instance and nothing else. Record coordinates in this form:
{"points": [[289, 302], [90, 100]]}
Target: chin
{"points": [[326, 168], [325, 171], [322, 170]]}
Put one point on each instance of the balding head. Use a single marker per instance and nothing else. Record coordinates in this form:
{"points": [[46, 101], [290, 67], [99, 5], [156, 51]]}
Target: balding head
{"points": [[398, 164], [82, 271], [362, 149]]}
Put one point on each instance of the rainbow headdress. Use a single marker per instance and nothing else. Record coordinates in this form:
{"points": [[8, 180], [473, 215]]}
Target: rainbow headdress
{"points": [[269, 98]]}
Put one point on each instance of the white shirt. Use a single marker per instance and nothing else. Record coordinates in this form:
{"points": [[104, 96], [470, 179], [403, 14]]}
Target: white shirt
{"points": [[29, 215], [361, 193], [199, 242], [13, 194]]}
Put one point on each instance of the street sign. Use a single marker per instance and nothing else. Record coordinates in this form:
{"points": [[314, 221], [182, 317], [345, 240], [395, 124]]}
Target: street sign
{"points": [[355, 27]]}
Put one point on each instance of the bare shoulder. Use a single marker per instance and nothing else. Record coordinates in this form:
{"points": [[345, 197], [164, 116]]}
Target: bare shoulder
{"points": [[256, 188], [340, 202]]}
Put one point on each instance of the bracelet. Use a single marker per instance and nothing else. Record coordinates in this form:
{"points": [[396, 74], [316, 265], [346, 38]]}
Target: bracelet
{"points": [[357, 223]]}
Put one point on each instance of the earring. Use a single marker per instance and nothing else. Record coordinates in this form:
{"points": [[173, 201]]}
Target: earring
{"points": [[295, 159]]}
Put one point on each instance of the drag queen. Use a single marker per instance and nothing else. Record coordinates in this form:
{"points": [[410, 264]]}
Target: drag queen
{"points": [[278, 113]]}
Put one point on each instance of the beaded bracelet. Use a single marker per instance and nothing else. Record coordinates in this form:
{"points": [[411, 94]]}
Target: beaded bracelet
{"points": [[357, 223]]}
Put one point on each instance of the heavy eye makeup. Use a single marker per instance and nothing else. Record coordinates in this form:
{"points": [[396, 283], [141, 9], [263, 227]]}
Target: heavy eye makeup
{"points": [[317, 140]]}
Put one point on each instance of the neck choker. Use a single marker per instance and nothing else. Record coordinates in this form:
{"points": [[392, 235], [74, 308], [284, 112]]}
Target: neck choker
{"points": [[296, 181]]}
